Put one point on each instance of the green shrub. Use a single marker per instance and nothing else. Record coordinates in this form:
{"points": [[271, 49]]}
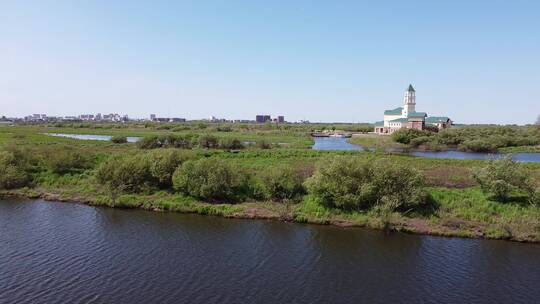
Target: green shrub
{"points": [[166, 141], [263, 144], [208, 142], [224, 129], [419, 141], [210, 179], [281, 183], [65, 160], [501, 177], [351, 184], [230, 144], [405, 136], [141, 171], [127, 173], [12, 175], [149, 142], [478, 145], [119, 139], [163, 163]]}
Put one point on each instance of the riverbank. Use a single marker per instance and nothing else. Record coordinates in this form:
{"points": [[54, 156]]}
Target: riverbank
{"points": [[385, 143], [489, 139], [463, 213], [263, 181]]}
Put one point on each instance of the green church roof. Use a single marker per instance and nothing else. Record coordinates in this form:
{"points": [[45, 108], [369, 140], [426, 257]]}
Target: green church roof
{"points": [[410, 89], [435, 119], [379, 123], [396, 111], [400, 120], [417, 114]]}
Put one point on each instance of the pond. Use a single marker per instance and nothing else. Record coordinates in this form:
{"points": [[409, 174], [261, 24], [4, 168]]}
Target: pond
{"points": [[70, 253], [90, 137], [336, 143]]}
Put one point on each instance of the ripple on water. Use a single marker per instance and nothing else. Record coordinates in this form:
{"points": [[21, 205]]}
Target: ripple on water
{"points": [[58, 252]]}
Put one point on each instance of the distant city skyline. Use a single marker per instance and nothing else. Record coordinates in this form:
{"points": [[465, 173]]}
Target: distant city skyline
{"points": [[476, 62]]}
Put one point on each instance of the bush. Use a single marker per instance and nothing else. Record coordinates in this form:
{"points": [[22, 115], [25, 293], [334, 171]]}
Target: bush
{"points": [[281, 183], [128, 173], [210, 179], [478, 145], [263, 144], [501, 177], [208, 142], [230, 144], [149, 142], [166, 141], [119, 139], [163, 163], [405, 136], [351, 184], [12, 175], [142, 171], [65, 160], [419, 141]]}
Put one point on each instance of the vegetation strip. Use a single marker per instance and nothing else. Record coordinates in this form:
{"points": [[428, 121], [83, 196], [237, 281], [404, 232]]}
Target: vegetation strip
{"points": [[223, 176]]}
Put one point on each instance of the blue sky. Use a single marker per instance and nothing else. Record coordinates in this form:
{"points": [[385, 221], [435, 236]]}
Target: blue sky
{"points": [[475, 61]]}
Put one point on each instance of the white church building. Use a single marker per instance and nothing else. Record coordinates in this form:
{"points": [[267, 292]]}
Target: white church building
{"points": [[407, 117]]}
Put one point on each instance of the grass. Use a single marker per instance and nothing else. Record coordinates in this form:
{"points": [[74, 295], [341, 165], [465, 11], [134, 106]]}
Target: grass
{"points": [[462, 209]]}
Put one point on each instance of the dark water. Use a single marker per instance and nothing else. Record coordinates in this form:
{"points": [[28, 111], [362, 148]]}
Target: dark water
{"points": [[91, 137], [69, 253], [336, 143]]}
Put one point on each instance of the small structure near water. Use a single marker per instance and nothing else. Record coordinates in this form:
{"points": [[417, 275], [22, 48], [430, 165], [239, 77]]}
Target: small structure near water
{"points": [[406, 117]]}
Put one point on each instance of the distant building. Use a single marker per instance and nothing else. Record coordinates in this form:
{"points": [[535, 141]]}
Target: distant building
{"points": [[407, 117], [262, 118], [152, 117], [281, 119]]}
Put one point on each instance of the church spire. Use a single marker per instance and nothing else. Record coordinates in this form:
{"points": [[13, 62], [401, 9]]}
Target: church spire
{"points": [[409, 101]]}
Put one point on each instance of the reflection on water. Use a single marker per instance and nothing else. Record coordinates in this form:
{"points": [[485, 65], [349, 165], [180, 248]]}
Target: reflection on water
{"points": [[90, 137], [336, 143], [58, 252]]}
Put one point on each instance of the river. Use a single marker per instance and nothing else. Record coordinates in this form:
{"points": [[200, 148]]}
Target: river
{"points": [[341, 144], [54, 252]]}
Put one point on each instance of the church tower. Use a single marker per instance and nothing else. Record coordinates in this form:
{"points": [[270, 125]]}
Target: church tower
{"points": [[409, 101]]}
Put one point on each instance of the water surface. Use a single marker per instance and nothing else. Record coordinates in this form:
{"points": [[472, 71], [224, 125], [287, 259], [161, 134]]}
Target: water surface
{"points": [[334, 143], [69, 253], [338, 144], [91, 137]]}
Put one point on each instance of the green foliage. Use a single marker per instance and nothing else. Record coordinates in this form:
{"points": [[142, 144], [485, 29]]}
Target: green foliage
{"points": [[501, 177], [125, 173], [281, 183], [471, 138], [230, 144], [62, 160], [141, 171], [166, 141], [163, 163], [209, 142], [419, 141], [405, 136], [119, 139], [351, 184], [263, 144], [12, 174], [479, 145], [210, 179]]}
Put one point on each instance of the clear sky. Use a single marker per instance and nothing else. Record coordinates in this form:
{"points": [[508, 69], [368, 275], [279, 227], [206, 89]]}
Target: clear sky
{"points": [[475, 61]]}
